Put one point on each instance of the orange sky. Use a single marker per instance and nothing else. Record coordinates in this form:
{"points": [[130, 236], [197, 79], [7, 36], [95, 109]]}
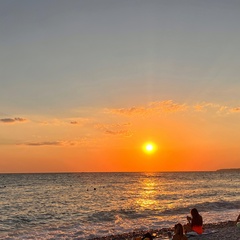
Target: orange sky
{"points": [[187, 139]]}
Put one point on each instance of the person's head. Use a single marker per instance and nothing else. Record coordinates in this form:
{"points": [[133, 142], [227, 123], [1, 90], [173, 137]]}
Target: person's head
{"points": [[178, 228], [194, 213]]}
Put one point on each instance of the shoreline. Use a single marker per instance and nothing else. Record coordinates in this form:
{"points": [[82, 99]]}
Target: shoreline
{"points": [[221, 231]]}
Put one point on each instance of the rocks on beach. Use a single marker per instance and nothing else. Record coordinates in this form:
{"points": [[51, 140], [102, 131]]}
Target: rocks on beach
{"points": [[220, 231]]}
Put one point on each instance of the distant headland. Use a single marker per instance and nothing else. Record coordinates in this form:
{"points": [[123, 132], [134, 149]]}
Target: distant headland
{"points": [[229, 170]]}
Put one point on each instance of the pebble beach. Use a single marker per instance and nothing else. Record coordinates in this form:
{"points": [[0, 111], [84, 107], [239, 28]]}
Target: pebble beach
{"points": [[217, 231]]}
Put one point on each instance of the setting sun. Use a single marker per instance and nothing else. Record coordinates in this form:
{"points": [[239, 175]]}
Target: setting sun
{"points": [[149, 147]]}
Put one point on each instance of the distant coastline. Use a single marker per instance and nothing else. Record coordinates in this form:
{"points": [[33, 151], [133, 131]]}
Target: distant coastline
{"points": [[229, 170]]}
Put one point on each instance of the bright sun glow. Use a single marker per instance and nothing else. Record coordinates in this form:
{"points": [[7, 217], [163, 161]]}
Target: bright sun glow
{"points": [[149, 147]]}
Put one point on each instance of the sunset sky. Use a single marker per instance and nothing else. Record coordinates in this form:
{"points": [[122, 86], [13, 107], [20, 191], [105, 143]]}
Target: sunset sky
{"points": [[85, 84]]}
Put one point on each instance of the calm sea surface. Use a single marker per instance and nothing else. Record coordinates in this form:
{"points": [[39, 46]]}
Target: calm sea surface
{"points": [[87, 205]]}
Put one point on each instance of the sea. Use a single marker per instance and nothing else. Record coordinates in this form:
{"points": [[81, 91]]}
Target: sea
{"points": [[90, 205]]}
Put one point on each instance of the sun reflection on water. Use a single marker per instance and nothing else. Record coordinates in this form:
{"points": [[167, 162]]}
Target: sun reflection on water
{"points": [[148, 193]]}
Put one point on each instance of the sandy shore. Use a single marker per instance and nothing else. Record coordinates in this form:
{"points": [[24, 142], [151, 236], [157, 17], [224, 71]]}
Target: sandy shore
{"points": [[218, 231]]}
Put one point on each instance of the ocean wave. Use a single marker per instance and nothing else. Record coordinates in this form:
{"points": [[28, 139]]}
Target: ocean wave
{"points": [[106, 216], [220, 205]]}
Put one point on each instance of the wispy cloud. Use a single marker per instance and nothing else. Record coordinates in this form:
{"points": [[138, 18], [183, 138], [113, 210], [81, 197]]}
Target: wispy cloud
{"points": [[56, 143], [217, 108], [65, 121], [13, 120], [167, 106], [65, 143], [204, 106], [74, 122], [235, 110], [79, 121], [54, 122], [115, 129]]}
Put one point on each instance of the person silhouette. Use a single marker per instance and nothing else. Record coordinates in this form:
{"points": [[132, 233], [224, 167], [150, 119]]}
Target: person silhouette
{"points": [[178, 230], [195, 223]]}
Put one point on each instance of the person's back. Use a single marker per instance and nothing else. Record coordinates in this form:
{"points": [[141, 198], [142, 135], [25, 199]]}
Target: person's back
{"points": [[197, 221], [178, 228]]}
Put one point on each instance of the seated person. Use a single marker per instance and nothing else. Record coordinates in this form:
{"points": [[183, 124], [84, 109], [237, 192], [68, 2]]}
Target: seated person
{"points": [[178, 230], [195, 223]]}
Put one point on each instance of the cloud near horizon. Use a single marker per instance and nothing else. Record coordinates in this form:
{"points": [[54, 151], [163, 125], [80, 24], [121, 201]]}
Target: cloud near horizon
{"points": [[167, 106], [54, 143], [204, 106], [79, 121], [64, 143], [235, 110], [13, 120], [65, 121], [115, 129], [217, 108]]}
